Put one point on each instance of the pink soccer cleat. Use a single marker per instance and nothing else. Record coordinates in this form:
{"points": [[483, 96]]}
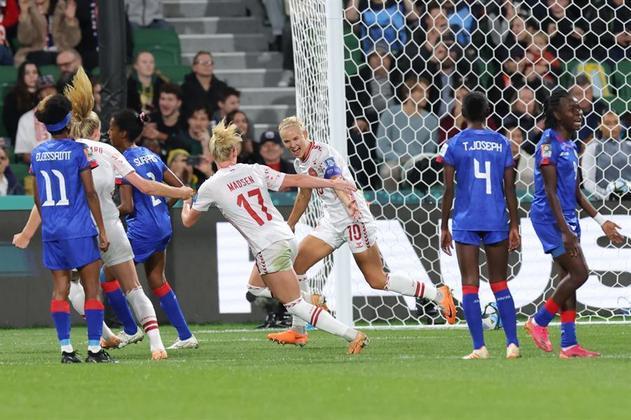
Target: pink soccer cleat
{"points": [[539, 335], [577, 351]]}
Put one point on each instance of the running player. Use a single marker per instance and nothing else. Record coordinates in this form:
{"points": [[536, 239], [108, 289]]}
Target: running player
{"points": [[241, 193], [555, 220], [119, 257], [148, 221], [482, 164], [65, 197], [347, 219]]}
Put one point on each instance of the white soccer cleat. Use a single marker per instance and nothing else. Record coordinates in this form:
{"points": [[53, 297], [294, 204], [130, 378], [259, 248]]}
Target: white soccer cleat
{"points": [[127, 339], [481, 353], [512, 351], [189, 343]]}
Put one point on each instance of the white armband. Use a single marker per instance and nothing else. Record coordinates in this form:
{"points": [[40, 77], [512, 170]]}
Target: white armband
{"points": [[600, 219]]}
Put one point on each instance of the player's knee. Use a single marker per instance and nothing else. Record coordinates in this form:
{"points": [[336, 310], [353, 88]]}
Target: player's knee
{"points": [[377, 282]]}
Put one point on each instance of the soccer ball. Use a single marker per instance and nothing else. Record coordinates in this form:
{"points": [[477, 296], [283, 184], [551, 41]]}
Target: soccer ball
{"points": [[490, 317]]}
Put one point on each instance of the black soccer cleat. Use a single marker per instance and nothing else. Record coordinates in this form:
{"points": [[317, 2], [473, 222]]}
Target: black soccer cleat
{"points": [[69, 357], [100, 357]]}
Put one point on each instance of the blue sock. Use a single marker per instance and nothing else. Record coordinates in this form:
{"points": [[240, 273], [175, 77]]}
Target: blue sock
{"points": [[546, 313], [60, 312], [473, 314], [119, 304], [568, 329], [170, 305], [506, 308], [94, 319]]}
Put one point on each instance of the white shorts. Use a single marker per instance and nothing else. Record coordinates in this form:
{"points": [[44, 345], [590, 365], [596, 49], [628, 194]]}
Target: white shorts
{"points": [[120, 248], [360, 236], [279, 256]]}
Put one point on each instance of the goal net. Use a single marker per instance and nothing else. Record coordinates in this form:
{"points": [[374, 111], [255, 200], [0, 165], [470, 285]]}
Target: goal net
{"points": [[407, 66]]}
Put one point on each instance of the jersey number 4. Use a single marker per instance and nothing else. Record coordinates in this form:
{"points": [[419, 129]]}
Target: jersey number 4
{"points": [[63, 196], [243, 202], [486, 175]]}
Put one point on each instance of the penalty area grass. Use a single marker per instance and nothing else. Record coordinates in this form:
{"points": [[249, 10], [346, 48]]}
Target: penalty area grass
{"points": [[240, 375]]}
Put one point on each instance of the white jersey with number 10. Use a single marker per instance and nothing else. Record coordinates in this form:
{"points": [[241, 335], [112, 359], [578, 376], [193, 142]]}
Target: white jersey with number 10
{"points": [[241, 193]]}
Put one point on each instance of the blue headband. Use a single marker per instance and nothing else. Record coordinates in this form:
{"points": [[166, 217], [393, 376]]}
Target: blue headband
{"points": [[60, 125]]}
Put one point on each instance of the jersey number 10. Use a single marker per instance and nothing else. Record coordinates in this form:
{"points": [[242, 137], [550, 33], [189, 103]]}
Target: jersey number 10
{"points": [[486, 175], [243, 202]]}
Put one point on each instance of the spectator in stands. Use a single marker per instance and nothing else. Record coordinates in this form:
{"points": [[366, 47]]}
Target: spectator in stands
{"points": [[68, 62], [180, 163], [542, 61], [382, 20], [524, 162], [9, 16], [31, 132], [146, 14], [97, 88], [607, 159], [6, 55], [87, 14], [523, 113], [361, 146], [167, 122], [201, 87], [271, 151], [196, 138], [514, 41], [405, 131], [583, 91], [22, 98], [230, 101], [9, 185], [506, 25], [372, 89], [248, 146], [143, 84], [45, 28], [433, 27], [562, 21], [453, 122]]}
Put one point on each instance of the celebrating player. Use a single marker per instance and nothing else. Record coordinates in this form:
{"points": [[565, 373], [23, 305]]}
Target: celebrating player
{"points": [[119, 257], [148, 220], [65, 196], [241, 193], [482, 163], [555, 220], [347, 219]]}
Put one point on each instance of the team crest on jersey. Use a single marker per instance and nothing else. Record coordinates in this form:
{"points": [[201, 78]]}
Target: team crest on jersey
{"points": [[329, 162], [312, 172], [546, 151], [443, 150]]}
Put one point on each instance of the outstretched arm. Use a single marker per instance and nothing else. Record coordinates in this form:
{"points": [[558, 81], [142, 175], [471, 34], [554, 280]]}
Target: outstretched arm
{"points": [[172, 179], [150, 187]]}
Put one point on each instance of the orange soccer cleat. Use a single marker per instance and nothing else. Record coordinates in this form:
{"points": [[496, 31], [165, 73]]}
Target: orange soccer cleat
{"points": [[111, 342], [358, 344], [447, 305], [539, 335], [289, 337], [578, 352], [159, 355]]}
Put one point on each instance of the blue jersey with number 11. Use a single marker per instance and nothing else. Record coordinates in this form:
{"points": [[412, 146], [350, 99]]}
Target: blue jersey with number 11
{"points": [[479, 157], [150, 220]]}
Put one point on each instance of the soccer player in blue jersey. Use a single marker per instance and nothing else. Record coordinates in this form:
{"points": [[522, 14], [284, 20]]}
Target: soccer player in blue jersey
{"points": [[555, 220], [65, 196], [148, 221], [481, 162]]}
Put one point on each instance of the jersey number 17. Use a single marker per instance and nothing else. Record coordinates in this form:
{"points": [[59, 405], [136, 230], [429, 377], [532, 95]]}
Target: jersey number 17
{"points": [[242, 201]]}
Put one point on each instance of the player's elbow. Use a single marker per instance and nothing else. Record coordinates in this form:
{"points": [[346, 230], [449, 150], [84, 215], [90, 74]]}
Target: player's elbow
{"points": [[125, 208]]}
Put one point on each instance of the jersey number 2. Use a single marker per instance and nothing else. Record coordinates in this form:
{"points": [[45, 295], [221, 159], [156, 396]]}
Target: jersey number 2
{"points": [[154, 201], [50, 201], [486, 175], [243, 202]]}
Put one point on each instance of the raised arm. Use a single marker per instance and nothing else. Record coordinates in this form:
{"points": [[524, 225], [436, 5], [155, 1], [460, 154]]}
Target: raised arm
{"points": [[300, 206], [511, 202], [448, 197], [22, 239], [95, 207]]}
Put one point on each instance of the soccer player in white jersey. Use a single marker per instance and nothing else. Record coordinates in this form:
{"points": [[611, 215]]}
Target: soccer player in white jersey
{"points": [[119, 257], [347, 218], [241, 193]]}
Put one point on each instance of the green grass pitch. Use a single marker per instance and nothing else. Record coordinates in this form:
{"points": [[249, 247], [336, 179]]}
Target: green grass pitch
{"points": [[411, 374]]}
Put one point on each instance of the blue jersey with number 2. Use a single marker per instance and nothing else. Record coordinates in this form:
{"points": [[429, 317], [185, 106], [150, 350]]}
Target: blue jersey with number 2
{"points": [[57, 166], [479, 157], [150, 220]]}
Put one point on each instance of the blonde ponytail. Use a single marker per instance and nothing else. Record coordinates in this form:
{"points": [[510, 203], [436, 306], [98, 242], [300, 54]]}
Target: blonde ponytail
{"points": [[224, 139], [84, 120]]}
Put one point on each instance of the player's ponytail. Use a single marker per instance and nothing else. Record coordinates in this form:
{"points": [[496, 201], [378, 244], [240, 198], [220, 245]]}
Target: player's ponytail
{"points": [[224, 139], [84, 120], [552, 106], [130, 122]]}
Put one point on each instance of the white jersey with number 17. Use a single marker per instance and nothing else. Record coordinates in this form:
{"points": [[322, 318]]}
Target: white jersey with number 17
{"points": [[241, 193]]}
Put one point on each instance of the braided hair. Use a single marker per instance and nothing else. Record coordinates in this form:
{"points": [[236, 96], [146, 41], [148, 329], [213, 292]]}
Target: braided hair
{"points": [[552, 105]]}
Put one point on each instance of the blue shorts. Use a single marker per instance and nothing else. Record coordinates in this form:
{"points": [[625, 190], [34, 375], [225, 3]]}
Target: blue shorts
{"points": [[475, 237], [144, 249], [67, 254], [552, 239]]}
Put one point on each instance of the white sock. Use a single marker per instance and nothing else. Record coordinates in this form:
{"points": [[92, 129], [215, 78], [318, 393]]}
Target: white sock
{"points": [[320, 318], [67, 348], [297, 323], [146, 315], [77, 297], [94, 349], [401, 283], [260, 291]]}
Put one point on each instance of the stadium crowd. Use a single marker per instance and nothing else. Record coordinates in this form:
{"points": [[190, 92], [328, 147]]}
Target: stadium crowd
{"points": [[408, 65]]}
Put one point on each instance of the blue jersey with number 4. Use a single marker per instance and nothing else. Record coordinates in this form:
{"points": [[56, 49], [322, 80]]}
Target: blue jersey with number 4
{"points": [[563, 154], [479, 157], [150, 220], [57, 166]]}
